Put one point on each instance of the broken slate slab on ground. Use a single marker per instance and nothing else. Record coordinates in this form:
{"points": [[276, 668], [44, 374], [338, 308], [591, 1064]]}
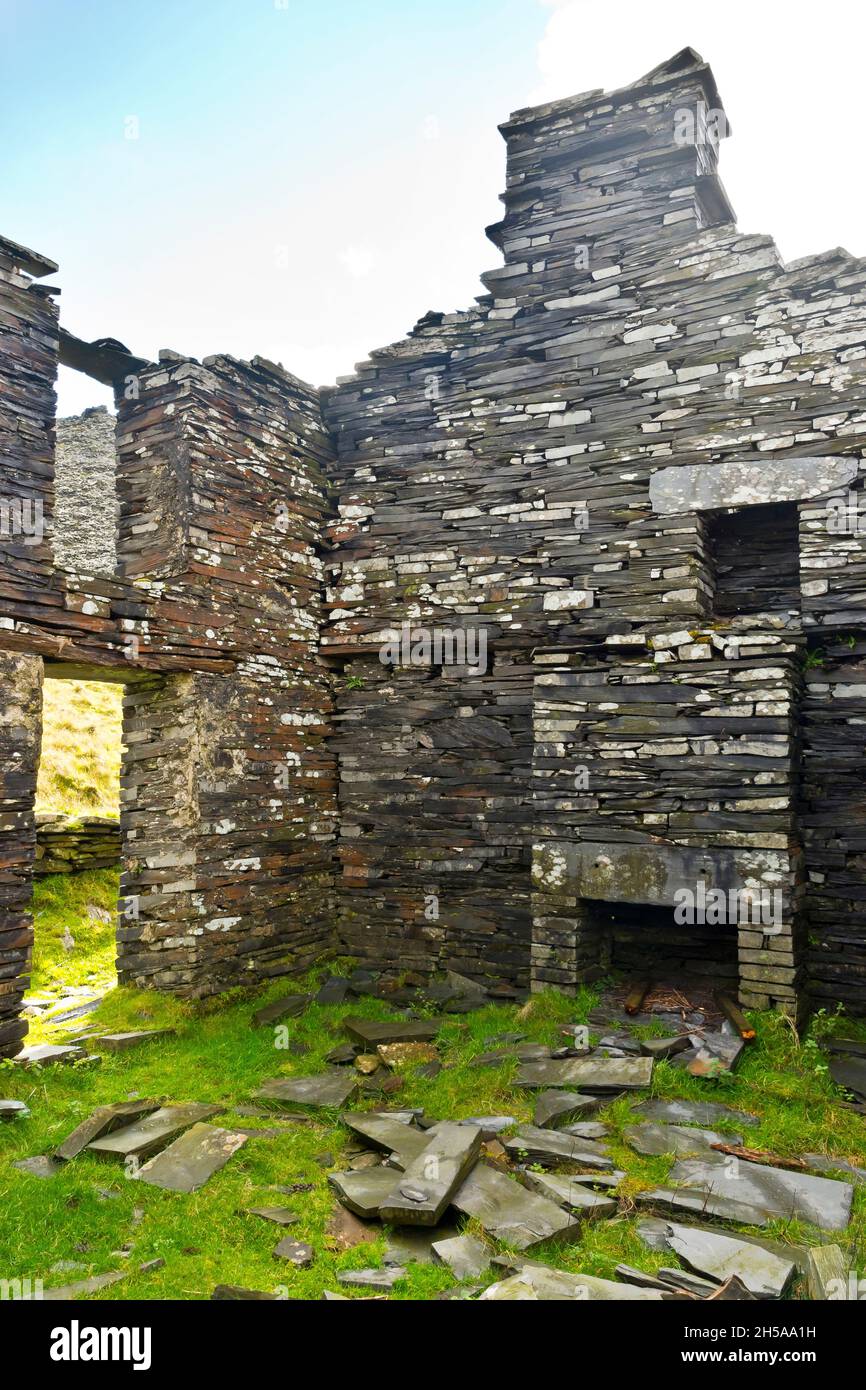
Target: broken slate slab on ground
{"points": [[186, 1165], [692, 1112], [718, 1256], [328, 1089], [465, 1256], [421, 1195], [542, 1284], [509, 1212], [364, 1191], [372, 1032], [569, 1193], [389, 1135], [122, 1042], [290, 1006], [588, 1073], [657, 1139], [13, 1110], [147, 1136], [103, 1121], [777, 1192], [552, 1146], [46, 1054], [551, 1106]]}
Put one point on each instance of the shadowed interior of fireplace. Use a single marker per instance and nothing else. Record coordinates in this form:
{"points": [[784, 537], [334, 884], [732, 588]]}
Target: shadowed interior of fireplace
{"points": [[646, 941]]}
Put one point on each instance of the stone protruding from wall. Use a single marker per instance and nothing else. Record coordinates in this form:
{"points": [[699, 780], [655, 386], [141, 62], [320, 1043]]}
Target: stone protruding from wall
{"points": [[20, 736], [85, 502]]}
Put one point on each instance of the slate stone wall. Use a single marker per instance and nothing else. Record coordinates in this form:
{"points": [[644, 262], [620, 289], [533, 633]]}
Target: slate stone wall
{"points": [[85, 484]]}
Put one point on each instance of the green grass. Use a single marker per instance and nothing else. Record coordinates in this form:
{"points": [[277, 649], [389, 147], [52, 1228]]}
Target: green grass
{"points": [[62, 900], [217, 1057], [79, 768]]}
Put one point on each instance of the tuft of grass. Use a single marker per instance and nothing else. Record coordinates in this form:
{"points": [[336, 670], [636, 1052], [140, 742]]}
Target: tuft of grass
{"points": [[79, 769]]}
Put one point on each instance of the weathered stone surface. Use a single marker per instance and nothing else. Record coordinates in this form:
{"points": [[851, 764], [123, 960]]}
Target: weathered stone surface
{"points": [[421, 1195], [82, 1286], [778, 1192], [683, 1200], [46, 1054], [674, 1139], [540, 1283], [747, 482], [147, 1136], [692, 1112], [850, 1072], [291, 1006], [103, 1121], [372, 1278], [363, 1192], [407, 1054], [13, 1110], [414, 1244], [551, 1106], [828, 1274], [553, 1146], [569, 1193], [186, 1164], [509, 1212], [466, 1257], [232, 1293], [332, 1088], [296, 1252], [828, 1163], [372, 1032], [590, 1073], [333, 990], [719, 1256], [282, 1216], [665, 1047], [122, 1042], [490, 1125]]}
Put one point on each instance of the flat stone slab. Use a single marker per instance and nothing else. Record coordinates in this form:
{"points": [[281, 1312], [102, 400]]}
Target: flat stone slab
{"points": [[699, 487], [372, 1278], [230, 1293], [850, 1072], [551, 1145], [389, 1135], [674, 1139], [541, 1284], [146, 1137], [414, 1244], [665, 1047], [363, 1191], [290, 1006], [692, 1112], [103, 1121], [682, 1200], [297, 1252], [333, 990], [281, 1216], [122, 1042], [40, 1166], [421, 1195], [718, 1052], [45, 1054], [719, 1256], [465, 1256], [551, 1106], [828, 1163], [82, 1286], [776, 1191], [13, 1110], [371, 1031], [186, 1165], [828, 1274], [510, 1212], [588, 1073], [569, 1193], [328, 1089], [490, 1125], [406, 1054]]}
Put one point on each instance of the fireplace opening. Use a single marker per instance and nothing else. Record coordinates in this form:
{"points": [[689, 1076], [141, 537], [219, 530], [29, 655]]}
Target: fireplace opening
{"points": [[646, 941]]}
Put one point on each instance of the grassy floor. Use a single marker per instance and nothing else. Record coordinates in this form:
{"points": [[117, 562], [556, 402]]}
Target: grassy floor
{"points": [[79, 769], [90, 1211], [61, 901]]}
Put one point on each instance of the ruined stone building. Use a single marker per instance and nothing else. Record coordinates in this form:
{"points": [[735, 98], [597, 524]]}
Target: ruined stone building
{"points": [[632, 472]]}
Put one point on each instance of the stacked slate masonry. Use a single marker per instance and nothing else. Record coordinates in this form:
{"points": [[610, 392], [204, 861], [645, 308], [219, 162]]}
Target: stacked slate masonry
{"points": [[480, 658]]}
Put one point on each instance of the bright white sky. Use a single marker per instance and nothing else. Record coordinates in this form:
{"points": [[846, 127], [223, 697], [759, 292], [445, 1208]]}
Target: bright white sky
{"points": [[312, 177]]}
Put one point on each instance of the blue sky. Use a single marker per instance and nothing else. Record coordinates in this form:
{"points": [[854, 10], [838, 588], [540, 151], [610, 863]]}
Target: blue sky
{"points": [[309, 178]]}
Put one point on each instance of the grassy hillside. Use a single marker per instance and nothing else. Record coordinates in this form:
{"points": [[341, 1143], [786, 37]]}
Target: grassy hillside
{"points": [[79, 771]]}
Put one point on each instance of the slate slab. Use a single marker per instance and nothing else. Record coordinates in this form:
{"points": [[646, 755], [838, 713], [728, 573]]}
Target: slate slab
{"points": [[371, 1032], [389, 1135], [572, 1195], [290, 1006], [281, 1216], [674, 1139], [146, 1137], [552, 1146], [849, 1072], [510, 1212], [551, 1106], [719, 1256], [776, 1191], [46, 1054], [122, 1042], [297, 1252], [414, 1244], [186, 1165], [364, 1191], [13, 1110], [82, 1286], [329, 1089], [681, 1200], [231, 1293], [333, 990], [465, 1256], [372, 1278], [103, 1121], [421, 1195], [490, 1125], [541, 1284], [589, 1073], [828, 1274], [717, 1052], [692, 1112], [40, 1166], [827, 1163], [665, 1047]]}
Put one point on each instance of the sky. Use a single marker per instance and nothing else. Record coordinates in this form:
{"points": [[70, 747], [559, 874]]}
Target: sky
{"points": [[305, 179]]}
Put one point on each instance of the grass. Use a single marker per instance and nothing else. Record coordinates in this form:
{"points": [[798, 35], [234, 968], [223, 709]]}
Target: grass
{"points": [[90, 1210], [61, 901], [79, 769]]}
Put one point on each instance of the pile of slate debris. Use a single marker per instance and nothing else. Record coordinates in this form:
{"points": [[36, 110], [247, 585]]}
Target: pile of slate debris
{"points": [[420, 1175]]}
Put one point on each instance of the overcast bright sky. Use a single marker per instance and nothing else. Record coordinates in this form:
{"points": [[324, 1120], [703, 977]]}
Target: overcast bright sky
{"points": [[309, 177]]}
